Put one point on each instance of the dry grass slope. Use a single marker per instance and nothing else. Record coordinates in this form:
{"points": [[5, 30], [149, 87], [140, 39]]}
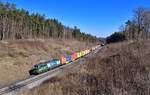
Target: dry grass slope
{"points": [[17, 57], [121, 69]]}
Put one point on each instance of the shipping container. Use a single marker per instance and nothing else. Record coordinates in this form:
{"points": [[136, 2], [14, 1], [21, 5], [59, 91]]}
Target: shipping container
{"points": [[89, 51], [93, 48], [85, 52], [82, 53], [53, 63], [68, 59], [63, 60], [74, 56], [78, 54]]}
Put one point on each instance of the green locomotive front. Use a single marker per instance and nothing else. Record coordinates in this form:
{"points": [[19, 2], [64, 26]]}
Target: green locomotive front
{"points": [[37, 69]]}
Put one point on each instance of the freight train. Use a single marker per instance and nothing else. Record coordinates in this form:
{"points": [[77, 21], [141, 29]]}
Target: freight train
{"points": [[49, 65]]}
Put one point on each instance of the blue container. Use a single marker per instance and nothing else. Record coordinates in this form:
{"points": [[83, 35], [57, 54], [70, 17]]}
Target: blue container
{"points": [[68, 59], [53, 63]]}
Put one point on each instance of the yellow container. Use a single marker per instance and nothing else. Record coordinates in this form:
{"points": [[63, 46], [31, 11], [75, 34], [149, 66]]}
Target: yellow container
{"points": [[78, 54]]}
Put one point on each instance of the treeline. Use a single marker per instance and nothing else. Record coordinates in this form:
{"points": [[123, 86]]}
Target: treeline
{"points": [[115, 37], [137, 28], [20, 24]]}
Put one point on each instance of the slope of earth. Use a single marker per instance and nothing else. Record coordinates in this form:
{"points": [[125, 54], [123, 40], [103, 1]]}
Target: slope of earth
{"points": [[118, 69], [17, 57]]}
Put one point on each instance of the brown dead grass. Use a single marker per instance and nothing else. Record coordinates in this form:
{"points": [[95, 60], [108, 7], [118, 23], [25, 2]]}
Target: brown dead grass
{"points": [[17, 57], [119, 69]]}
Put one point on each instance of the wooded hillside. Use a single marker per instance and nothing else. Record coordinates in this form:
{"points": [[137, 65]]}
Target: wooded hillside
{"points": [[20, 24], [137, 28]]}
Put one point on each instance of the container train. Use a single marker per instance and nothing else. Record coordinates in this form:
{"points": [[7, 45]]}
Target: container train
{"points": [[49, 65]]}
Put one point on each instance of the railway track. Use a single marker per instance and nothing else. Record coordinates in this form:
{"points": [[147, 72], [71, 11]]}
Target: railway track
{"points": [[34, 81]]}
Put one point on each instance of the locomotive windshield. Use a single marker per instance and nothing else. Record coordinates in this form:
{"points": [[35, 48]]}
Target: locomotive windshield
{"points": [[39, 65]]}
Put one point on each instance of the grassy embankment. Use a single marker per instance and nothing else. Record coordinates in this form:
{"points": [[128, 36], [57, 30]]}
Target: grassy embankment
{"points": [[17, 57], [119, 69]]}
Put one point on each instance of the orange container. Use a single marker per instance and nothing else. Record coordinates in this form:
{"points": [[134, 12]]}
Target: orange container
{"points": [[74, 56], [63, 60]]}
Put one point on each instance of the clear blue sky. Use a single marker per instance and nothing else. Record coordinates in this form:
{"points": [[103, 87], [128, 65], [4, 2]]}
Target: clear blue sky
{"points": [[97, 17]]}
